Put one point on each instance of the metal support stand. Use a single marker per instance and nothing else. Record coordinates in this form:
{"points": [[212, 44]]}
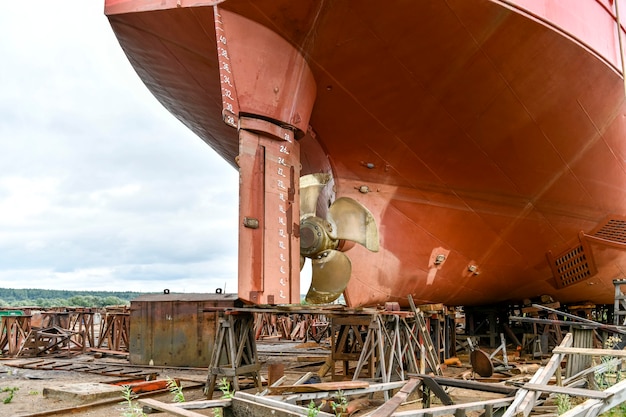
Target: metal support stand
{"points": [[619, 307], [234, 353], [14, 331], [347, 341]]}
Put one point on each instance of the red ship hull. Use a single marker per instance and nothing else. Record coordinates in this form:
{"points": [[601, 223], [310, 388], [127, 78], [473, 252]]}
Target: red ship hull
{"points": [[485, 137]]}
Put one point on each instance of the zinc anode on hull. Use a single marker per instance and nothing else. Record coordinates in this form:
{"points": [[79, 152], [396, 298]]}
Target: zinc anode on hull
{"points": [[488, 131]]}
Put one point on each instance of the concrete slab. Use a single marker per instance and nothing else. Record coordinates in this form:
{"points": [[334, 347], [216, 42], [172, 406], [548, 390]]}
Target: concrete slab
{"points": [[83, 392]]}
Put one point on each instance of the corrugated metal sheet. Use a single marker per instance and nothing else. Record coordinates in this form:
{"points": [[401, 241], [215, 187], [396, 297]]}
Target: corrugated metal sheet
{"points": [[173, 329]]}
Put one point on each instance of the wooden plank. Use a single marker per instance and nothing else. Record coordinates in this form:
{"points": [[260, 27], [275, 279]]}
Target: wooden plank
{"points": [[196, 405], [275, 384], [203, 404], [273, 403], [169, 408], [573, 392], [322, 386], [594, 407], [525, 399], [390, 406], [599, 369], [244, 407], [453, 409], [592, 352], [386, 386]]}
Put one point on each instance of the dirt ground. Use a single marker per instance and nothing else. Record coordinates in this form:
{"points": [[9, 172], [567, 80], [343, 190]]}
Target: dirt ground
{"points": [[29, 399]]}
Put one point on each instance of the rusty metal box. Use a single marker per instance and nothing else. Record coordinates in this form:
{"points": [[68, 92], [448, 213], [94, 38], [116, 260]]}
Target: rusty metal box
{"points": [[174, 329]]}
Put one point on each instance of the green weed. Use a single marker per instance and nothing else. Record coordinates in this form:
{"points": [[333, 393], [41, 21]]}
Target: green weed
{"points": [[132, 409], [11, 392], [176, 390]]}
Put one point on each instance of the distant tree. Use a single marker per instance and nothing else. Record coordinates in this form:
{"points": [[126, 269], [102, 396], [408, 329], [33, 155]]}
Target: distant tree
{"points": [[10, 297], [112, 300]]}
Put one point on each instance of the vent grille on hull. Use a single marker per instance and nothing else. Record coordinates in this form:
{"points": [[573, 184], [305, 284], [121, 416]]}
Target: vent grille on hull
{"points": [[572, 267], [613, 230]]}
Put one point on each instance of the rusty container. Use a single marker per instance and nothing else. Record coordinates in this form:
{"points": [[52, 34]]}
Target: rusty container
{"points": [[175, 329]]}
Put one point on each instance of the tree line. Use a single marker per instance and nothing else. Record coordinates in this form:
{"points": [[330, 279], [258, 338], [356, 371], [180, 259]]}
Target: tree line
{"points": [[34, 297]]}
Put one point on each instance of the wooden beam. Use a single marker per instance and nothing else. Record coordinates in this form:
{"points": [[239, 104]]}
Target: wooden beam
{"points": [[525, 399], [169, 408], [272, 403], [592, 352], [454, 409], [322, 386], [390, 406], [247, 405], [594, 407], [573, 392], [386, 386]]}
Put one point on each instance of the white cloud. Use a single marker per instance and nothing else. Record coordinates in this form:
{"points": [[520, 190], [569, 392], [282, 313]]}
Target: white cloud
{"points": [[100, 187]]}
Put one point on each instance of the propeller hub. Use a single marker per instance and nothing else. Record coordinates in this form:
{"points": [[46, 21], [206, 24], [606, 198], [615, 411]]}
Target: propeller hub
{"points": [[314, 236]]}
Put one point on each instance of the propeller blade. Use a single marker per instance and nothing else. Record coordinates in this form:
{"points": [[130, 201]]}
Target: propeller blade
{"points": [[331, 273], [354, 222], [302, 259], [310, 187]]}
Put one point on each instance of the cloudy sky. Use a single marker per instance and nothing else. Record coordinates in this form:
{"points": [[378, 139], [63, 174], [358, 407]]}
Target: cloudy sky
{"points": [[100, 187]]}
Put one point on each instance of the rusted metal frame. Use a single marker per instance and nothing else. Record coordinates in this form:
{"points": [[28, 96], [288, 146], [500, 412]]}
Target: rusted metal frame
{"points": [[84, 320], [14, 332], [42, 341], [115, 331]]}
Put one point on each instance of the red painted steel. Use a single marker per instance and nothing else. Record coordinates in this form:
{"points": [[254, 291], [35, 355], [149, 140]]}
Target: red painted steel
{"points": [[488, 132]]}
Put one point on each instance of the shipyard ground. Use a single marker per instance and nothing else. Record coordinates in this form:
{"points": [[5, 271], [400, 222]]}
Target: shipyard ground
{"points": [[47, 392]]}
